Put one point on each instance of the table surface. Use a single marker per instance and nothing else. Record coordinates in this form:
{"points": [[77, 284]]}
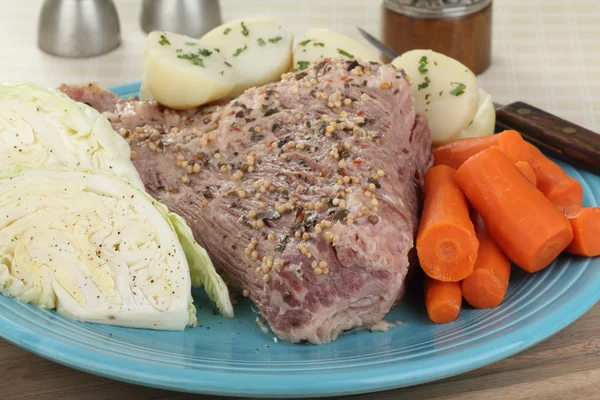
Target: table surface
{"points": [[545, 52]]}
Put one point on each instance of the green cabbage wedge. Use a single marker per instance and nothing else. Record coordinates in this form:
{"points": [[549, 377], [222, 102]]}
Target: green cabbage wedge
{"points": [[46, 139]]}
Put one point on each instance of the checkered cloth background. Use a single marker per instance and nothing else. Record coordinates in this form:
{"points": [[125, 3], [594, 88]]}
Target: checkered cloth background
{"points": [[545, 52]]}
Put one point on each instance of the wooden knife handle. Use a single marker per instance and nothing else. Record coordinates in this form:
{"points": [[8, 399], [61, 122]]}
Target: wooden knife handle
{"points": [[565, 140]]}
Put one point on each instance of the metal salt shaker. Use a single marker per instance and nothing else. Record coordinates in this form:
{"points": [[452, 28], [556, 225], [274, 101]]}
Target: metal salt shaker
{"points": [[78, 28]]}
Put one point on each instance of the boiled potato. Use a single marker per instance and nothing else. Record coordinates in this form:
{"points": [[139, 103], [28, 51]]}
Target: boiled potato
{"points": [[318, 43], [445, 91], [144, 93], [181, 72], [259, 50], [485, 120]]}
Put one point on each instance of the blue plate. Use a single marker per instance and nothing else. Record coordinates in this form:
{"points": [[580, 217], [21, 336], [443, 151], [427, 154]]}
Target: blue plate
{"points": [[235, 357]]}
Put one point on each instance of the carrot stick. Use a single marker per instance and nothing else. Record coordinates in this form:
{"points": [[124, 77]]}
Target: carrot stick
{"points": [[529, 229], [585, 222], [557, 186], [457, 152], [487, 285], [442, 300], [526, 170], [446, 242]]}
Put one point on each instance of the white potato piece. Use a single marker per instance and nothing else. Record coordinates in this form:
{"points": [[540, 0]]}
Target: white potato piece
{"points": [[485, 120], [445, 91], [144, 93], [182, 73], [259, 50], [318, 43]]}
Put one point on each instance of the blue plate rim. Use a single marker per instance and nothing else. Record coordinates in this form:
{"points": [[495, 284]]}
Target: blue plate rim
{"points": [[346, 382], [343, 382]]}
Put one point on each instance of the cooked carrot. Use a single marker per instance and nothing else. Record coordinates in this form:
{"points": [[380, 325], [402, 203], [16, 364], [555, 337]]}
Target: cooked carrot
{"points": [[446, 242], [585, 222], [442, 300], [529, 229], [553, 181], [487, 285], [457, 152], [526, 170]]}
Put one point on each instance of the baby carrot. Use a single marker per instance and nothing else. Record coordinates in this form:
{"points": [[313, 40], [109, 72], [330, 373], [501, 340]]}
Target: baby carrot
{"points": [[526, 170], [442, 300], [457, 152], [585, 222], [529, 229], [487, 285], [557, 186], [446, 242]]}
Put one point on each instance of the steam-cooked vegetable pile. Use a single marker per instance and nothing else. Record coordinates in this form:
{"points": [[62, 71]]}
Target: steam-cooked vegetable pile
{"points": [[94, 248], [44, 128], [77, 231], [525, 209], [182, 72], [446, 91]]}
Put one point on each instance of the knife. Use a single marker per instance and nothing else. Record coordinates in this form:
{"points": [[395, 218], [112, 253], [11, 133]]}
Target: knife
{"points": [[559, 138]]}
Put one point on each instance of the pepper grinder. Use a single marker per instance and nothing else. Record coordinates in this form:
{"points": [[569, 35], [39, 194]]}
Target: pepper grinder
{"points": [[78, 28], [192, 18]]}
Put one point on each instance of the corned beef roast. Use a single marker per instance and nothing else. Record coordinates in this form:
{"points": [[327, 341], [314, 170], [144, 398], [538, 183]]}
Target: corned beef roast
{"points": [[304, 192]]}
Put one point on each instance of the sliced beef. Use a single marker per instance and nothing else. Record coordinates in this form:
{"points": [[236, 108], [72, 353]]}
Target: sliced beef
{"points": [[304, 192]]}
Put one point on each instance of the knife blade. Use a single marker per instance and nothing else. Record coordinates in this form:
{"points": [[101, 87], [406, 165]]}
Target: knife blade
{"points": [[562, 139], [378, 44]]}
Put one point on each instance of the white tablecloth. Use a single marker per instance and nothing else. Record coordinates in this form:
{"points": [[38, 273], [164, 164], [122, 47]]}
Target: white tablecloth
{"points": [[545, 52]]}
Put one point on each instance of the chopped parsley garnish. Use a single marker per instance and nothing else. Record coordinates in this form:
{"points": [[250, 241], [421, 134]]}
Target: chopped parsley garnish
{"points": [[271, 214], [423, 65], [163, 40], [245, 30], [191, 43], [222, 72], [282, 242], [345, 53], [435, 63], [275, 39], [425, 84], [193, 58], [441, 93], [226, 31], [240, 50], [204, 52], [302, 65], [305, 42], [459, 89], [217, 50], [427, 96], [178, 50], [261, 42], [319, 44]]}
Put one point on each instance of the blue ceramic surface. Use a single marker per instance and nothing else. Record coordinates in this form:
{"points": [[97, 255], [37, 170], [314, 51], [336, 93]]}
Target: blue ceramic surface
{"points": [[235, 357]]}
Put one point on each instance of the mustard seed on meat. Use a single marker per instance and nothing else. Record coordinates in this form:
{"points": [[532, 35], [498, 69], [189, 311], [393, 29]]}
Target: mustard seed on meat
{"points": [[280, 180]]}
